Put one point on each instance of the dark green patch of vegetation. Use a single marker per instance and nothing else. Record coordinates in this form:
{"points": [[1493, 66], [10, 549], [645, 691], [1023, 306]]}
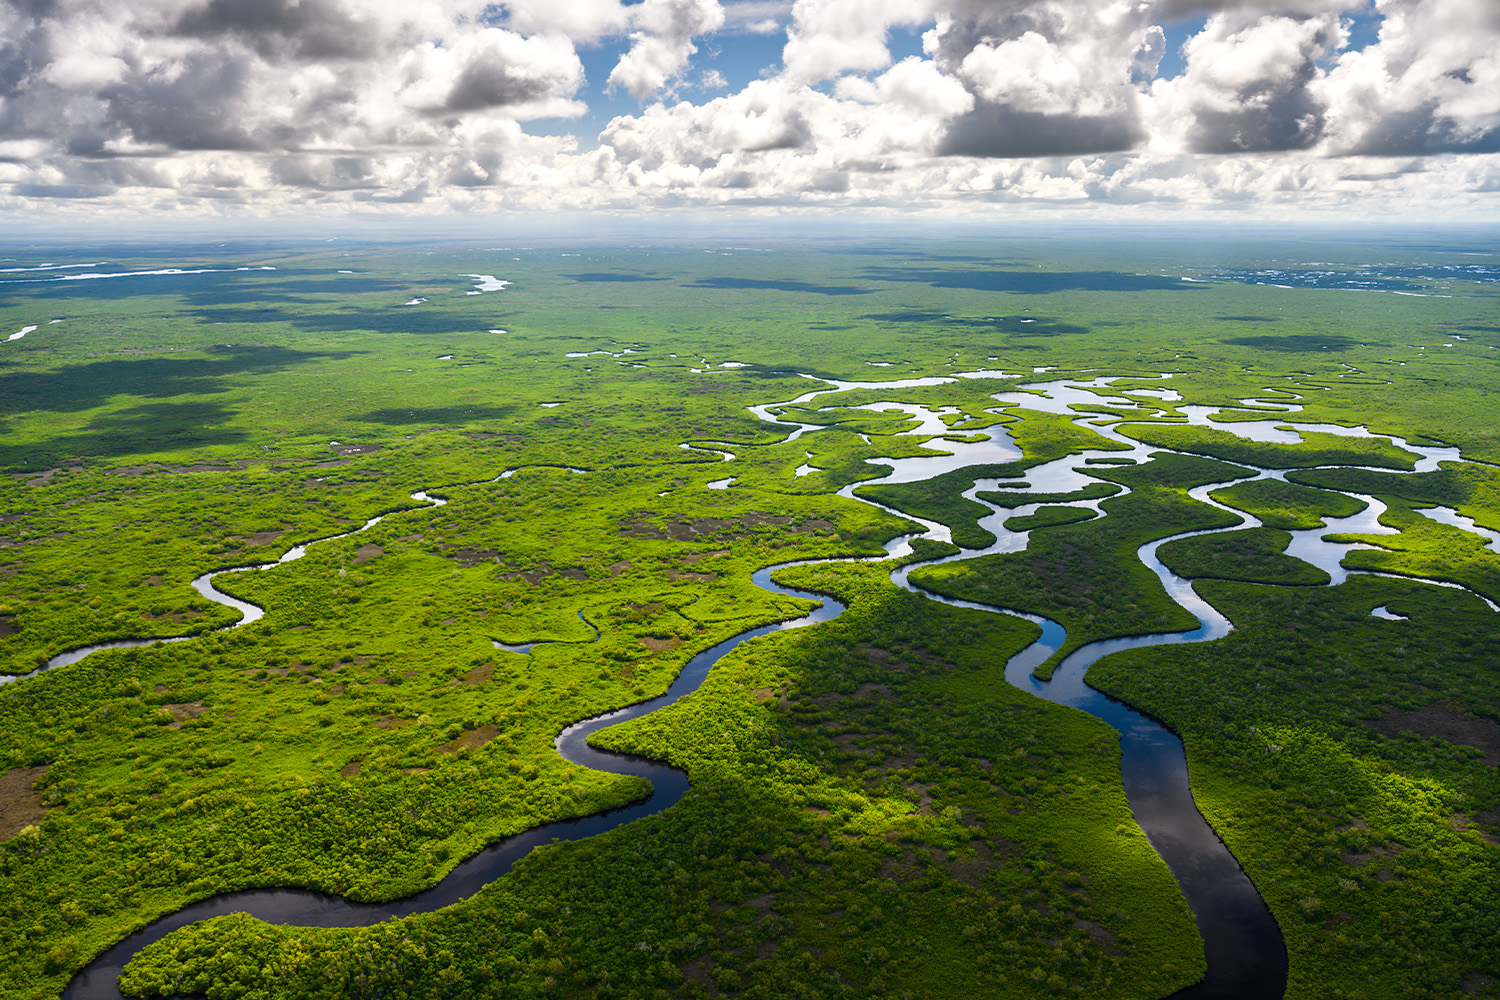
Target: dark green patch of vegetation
{"points": [[1050, 517], [1286, 505], [1014, 498], [1255, 555]]}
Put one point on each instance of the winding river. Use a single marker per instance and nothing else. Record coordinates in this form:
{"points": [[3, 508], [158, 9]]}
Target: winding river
{"points": [[1245, 954]]}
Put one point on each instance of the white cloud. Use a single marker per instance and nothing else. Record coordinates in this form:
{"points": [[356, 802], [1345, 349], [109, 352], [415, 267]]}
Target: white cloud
{"points": [[583, 21], [420, 105], [830, 37], [493, 68], [662, 43], [1430, 84], [1251, 84]]}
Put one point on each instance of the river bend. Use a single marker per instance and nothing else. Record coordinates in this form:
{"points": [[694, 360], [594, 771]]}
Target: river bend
{"points": [[1245, 954]]}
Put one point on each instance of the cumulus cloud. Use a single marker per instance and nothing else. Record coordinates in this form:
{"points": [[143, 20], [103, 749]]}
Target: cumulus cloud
{"points": [[1253, 84], [662, 43], [425, 104], [1430, 84], [829, 37], [1050, 78], [493, 68]]}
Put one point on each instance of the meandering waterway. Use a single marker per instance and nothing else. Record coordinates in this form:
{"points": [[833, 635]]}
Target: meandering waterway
{"points": [[1246, 957]]}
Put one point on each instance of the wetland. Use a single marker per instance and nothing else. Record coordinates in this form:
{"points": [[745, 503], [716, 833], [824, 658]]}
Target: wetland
{"points": [[482, 653]]}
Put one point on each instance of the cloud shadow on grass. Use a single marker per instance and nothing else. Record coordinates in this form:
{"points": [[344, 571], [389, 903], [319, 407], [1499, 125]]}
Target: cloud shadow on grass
{"points": [[779, 285], [398, 319], [612, 276], [138, 430], [1015, 326], [1296, 343], [75, 388], [1031, 282], [400, 416]]}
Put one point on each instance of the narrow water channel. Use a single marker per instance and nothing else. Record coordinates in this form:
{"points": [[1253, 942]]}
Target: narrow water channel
{"points": [[1246, 956]]}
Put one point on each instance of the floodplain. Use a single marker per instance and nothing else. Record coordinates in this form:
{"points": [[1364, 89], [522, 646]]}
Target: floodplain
{"points": [[467, 495]]}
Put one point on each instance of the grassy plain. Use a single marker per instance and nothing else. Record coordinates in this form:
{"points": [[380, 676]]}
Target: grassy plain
{"points": [[874, 811]]}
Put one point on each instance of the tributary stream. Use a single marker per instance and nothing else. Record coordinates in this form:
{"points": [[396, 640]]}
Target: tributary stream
{"points": [[1245, 955]]}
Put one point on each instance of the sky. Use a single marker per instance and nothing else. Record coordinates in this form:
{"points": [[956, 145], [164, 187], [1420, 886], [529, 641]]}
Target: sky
{"points": [[313, 109]]}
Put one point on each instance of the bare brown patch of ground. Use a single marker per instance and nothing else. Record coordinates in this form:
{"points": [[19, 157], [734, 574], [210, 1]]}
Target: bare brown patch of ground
{"points": [[884, 658], [259, 537], [467, 557], [480, 674], [574, 574], [1336, 919], [183, 711], [361, 661], [849, 743], [682, 531], [350, 769], [177, 617], [697, 971], [365, 553], [678, 575], [615, 569], [1446, 724], [1103, 938], [693, 557], [153, 581], [970, 871], [1476, 983], [470, 740], [660, 645], [8, 625], [757, 518], [1462, 824], [391, 721], [924, 798], [872, 691], [147, 469], [532, 577], [20, 803], [354, 449], [901, 868], [36, 478]]}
